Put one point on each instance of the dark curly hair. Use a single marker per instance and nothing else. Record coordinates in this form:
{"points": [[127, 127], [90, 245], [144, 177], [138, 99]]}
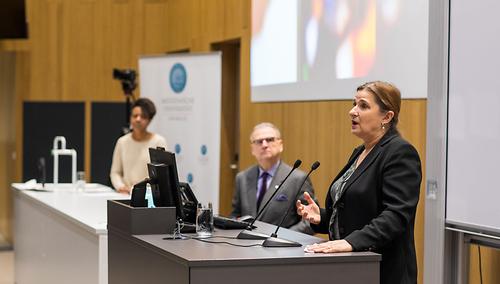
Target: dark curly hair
{"points": [[147, 107]]}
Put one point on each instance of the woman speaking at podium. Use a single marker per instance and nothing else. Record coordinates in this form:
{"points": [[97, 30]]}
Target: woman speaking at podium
{"points": [[131, 155], [371, 204]]}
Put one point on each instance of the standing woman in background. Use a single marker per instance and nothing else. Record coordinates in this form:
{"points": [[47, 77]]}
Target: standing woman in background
{"points": [[131, 154], [372, 202]]}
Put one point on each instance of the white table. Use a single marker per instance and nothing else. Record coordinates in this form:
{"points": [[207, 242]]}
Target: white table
{"points": [[60, 236]]}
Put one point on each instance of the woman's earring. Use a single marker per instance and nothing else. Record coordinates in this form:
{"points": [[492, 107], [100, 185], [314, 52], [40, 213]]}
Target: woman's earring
{"points": [[383, 126]]}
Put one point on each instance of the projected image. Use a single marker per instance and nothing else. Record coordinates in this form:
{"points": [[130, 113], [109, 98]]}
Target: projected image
{"points": [[321, 49], [274, 42], [340, 34], [356, 54]]}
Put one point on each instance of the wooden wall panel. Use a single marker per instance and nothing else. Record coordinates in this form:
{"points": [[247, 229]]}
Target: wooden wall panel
{"points": [[412, 125], [229, 125], [123, 41], [181, 23], [155, 39], [233, 18], [103, 37], [313, 130], [13, 85], [14, 45], [248, 111], [79, 57], [7, 139], [44, 31], [212, 20], [199, 41], [120, 36], [23, 89], [490, 262], [221, 20]]}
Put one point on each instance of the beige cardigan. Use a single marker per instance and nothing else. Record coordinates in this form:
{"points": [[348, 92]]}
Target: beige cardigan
{"points": [[130, 159]]}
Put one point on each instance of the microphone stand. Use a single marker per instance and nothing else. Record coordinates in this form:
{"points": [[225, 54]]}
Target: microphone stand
{"points": [[273, 240], [248, 234]]}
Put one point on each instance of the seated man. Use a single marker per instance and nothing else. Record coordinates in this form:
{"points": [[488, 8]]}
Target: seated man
{"points": [[255, 185]]}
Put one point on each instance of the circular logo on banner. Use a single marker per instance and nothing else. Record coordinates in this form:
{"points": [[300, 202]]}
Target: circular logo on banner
{"points": [[178, 78], [190, 178], [204, 150], [177, 148]]}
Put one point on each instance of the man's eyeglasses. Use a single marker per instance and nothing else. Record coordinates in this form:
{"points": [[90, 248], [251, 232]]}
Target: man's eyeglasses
{"points": [[267, 139]]}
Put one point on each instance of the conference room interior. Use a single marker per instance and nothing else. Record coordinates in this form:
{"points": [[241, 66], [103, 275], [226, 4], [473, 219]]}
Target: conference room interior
{"points": [[65, 57]]}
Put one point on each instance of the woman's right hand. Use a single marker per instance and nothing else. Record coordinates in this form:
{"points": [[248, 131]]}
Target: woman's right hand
{"points": [[309, 212], [124, 189]]}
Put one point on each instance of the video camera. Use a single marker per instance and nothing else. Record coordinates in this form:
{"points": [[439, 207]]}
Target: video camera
{"points": [[127, 77]]}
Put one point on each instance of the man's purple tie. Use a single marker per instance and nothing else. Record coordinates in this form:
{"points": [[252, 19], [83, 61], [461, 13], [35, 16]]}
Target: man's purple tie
{"points": [[262, 189]]}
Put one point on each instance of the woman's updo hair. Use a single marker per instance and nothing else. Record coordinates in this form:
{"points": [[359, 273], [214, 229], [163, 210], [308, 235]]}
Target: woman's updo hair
{"points": [[147, 107], [387, 97]]}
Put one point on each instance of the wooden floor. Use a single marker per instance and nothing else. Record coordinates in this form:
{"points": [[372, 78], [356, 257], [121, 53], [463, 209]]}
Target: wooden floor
{"points": [[7, 267]]}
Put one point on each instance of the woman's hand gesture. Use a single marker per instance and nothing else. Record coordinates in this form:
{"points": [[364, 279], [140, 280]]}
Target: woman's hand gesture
{"points": [[309, 212]]}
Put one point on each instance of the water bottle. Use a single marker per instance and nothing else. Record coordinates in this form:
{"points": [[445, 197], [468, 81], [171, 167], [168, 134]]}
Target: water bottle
{"points": [[149, 196]]}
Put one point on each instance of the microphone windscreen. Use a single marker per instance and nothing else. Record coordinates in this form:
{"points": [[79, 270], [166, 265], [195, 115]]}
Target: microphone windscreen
{"points": [[297, 164], [315, 165], [41, 163]]}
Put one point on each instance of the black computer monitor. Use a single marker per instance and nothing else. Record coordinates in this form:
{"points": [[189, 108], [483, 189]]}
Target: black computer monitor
{"points": [[164, 180]]}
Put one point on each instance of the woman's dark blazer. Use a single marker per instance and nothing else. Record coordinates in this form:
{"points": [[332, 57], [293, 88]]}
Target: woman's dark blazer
{"points": [[377, 210]]}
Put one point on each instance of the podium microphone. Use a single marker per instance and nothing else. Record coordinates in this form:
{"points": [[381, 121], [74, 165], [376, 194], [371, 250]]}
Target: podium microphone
{"points": [[248, 234], [42, 171], [273, 240]]}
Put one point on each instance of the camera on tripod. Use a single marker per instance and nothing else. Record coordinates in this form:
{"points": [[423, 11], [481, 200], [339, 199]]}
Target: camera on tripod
{"points": [[127, 77]]}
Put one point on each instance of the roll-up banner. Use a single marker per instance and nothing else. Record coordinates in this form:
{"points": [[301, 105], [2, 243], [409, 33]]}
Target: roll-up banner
{"points": [[186, 89]]}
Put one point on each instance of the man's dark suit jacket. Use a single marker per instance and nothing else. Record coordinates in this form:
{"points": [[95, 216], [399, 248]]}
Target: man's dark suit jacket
{"points": [[377, 209], [245, 200]]}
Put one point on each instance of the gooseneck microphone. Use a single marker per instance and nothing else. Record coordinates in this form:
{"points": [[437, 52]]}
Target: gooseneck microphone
{"points": [[273, 240], [295, 166], [248, 234], [42, 171]]}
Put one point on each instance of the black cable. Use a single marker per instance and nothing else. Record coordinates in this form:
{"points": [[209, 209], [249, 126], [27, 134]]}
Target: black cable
{"points": [[205, 240], [228, 243], [222, 237], [178, 235], [480, 266]]}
